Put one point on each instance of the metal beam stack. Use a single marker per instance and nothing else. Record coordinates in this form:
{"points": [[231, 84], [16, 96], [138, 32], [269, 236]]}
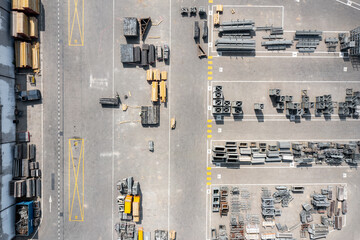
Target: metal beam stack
{"points": [[307, 40], [277, 44], [235, 36]]}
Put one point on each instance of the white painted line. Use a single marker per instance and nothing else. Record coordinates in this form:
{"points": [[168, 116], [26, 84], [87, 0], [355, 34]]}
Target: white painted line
{"points": [[344, 175], [350, 3], [276, 81], [263, 166], [221, 69], [288, 120], [275, 184], [287, 140], [219, 176], [219, 130], [345, 69], [113, 129], [169, 106]]}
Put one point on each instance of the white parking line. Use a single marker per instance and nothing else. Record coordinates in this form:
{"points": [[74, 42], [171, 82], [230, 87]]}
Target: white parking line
{"points": [[169, 93], [350, 4], [276, 81], [275, 184], [286, 140], [113, 129]]}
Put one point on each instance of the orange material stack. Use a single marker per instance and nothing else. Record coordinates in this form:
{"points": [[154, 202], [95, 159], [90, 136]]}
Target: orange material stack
{"points": [[25, 26], [28, 6], [35, 56], [23, 54], [20, 25], [34, 31]]}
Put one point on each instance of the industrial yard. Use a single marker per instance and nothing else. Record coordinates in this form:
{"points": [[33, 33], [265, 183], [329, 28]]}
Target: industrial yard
{"points": [[214, 120]]}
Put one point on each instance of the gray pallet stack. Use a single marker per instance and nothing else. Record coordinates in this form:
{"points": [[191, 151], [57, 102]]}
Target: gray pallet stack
{"points": [[151, 54], [131, 27], [127, 53]]}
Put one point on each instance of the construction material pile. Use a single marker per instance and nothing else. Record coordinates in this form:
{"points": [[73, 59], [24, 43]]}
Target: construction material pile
{"points": [[351, 106], [158, 81], [25, 30], [307, 40], [233, 154], [26, 181], [222, 106], [324, 105]]}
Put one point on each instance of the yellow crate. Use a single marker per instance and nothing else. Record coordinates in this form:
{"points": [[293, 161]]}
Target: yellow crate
{"points": [[163, 75], [149, 75], [217, 19], [162, 91], [219, 8], [154, 91], [157, 75]]}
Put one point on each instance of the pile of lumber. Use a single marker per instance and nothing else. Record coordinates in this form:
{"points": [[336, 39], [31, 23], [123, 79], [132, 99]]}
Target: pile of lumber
{"points": [[25, 30], [23, 54], [28, 6]]}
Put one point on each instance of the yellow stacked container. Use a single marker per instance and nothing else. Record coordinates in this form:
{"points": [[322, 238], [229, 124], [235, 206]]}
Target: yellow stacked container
{"points": [[34, 31], [162, 91], [35, 53]]}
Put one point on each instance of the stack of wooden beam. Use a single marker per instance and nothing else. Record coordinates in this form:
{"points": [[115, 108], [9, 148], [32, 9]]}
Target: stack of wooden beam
{"points": [[35, 53], [28, 6], [23, 54], [20, 25]]}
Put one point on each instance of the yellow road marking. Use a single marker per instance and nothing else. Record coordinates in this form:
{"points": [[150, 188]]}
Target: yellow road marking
{"points": [[209, 62], [208, 173], [208, 168], [210, 57], [209, 131], [76, 33], [209, 136], [209, 126], [209, 67], [209, 120], [208, 183], [208, 178], [210, 73], [79, 160], [209, 78]]}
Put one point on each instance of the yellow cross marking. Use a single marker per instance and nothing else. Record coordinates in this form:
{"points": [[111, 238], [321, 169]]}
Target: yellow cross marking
{"points": [[209, 67], [209, 120], [210, 73], [75, 20], [209, 62], [210, 57], [209, 131], [208, 173], [209, 136], [209, 78], [75, 177]]}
